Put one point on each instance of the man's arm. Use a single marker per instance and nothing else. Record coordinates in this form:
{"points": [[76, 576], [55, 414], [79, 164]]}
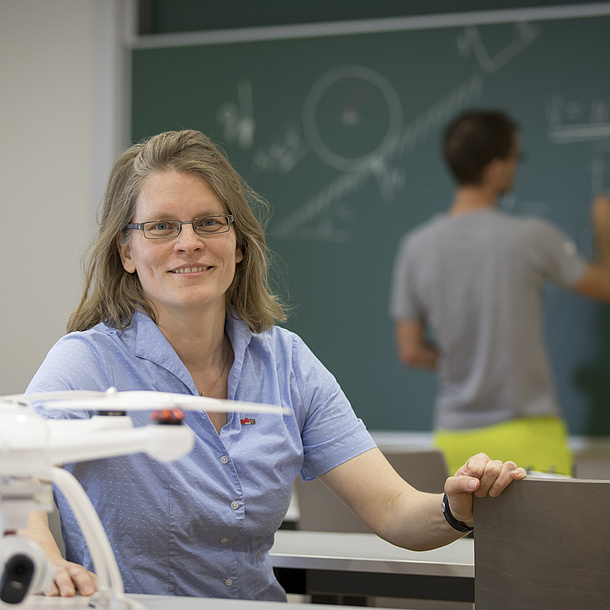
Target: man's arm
{"points": [[595, 282], [414, 349]]}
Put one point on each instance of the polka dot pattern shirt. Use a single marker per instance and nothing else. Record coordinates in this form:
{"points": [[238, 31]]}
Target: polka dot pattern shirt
{"points": [[203, 525]]}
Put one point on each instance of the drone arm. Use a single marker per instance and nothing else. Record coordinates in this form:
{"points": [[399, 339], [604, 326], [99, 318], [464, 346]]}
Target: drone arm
{"points": [[164, 443], [68, 428], [94, 444]]}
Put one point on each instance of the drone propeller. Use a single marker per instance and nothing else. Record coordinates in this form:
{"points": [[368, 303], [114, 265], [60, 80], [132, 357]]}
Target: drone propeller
{"points": [[26, 399], [140, 400]]}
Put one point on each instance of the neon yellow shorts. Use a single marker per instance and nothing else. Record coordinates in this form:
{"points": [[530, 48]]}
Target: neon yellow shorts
{"points": [[539, 443]]}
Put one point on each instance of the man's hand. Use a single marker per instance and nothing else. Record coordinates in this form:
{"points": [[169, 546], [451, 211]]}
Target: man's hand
{"points": [[600, 215], [480, 476], [70, 578]]}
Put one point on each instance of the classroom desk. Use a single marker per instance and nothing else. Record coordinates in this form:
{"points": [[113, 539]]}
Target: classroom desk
{"points": [[158, 602], [365, 565]]}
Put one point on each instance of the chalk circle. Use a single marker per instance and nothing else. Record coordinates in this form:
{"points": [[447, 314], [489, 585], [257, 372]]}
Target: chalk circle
{"points": [[322, 92]]}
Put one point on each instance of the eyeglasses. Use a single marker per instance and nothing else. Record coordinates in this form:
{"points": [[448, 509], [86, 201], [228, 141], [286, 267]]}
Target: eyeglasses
{"points": [[166, 229]]}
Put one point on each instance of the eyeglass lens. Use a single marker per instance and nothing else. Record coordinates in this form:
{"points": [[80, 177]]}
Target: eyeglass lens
{"points": [[159, 229]]}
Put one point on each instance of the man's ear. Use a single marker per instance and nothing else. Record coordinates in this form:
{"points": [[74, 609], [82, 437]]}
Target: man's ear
{"points": [[124, 249], [493, 170]]}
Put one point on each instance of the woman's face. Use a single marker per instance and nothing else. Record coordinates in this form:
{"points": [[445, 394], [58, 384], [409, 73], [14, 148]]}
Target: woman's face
{"points": [[188, 271]]}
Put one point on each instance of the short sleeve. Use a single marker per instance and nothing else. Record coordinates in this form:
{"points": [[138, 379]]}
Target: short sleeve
{"points": [[71, 364], [557, 256], [403, 297], [331, 434]]}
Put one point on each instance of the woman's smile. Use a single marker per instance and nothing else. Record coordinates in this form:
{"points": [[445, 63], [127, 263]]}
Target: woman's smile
{"points": [[191, 270]]}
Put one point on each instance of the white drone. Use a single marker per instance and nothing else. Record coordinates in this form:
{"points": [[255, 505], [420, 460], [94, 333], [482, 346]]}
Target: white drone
{"points": [[32, 448]]}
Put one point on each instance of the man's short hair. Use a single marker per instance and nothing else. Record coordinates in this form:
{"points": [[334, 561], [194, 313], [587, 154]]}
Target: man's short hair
{"points": [[473, 140]]}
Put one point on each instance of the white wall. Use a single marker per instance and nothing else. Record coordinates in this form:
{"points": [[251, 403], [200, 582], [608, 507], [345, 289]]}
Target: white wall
{"points": [[61, 124]]}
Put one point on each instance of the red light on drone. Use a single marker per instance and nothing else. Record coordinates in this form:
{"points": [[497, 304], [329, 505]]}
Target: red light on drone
{"points": [[168, 416]]}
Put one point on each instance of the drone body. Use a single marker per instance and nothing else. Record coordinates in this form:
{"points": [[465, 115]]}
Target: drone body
{"points": [[32, 449]]}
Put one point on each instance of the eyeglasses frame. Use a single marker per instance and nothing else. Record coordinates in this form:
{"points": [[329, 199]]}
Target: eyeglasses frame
{"points": [[140, 226]]}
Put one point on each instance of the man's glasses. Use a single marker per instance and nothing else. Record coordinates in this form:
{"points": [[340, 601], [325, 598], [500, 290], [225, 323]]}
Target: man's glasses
{"points": [[166, 229]]}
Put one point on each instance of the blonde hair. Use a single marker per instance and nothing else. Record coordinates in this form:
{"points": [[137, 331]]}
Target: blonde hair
{"points": [[112, 295]]}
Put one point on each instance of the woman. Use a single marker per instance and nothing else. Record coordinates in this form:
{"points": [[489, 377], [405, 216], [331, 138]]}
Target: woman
{"points": [[177, 299]]}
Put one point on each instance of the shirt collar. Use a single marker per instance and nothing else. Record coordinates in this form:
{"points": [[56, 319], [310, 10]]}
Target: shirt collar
{"points": [[151, 344]]}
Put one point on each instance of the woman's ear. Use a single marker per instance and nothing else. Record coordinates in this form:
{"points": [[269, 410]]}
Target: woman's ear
{"points": [[124, 248], [239, 254], [240, 248]]}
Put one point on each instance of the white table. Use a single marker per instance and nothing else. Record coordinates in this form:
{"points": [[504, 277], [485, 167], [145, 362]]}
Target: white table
{"points": [[157, 602], [335, 564], [365, 565]]}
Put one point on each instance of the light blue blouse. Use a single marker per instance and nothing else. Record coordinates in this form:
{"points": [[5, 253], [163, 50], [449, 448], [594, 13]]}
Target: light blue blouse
{"points": [[203, 525]]}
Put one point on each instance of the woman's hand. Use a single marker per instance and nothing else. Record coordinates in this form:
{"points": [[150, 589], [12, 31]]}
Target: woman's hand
{"points": [[70, 578], [480, 476]]}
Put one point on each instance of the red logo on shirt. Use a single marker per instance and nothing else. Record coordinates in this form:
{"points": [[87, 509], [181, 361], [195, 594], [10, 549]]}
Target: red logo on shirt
{"points": [[246, 421]]}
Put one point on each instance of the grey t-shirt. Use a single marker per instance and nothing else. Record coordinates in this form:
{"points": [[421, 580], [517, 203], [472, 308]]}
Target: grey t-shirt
{"points": [[477, 281]]}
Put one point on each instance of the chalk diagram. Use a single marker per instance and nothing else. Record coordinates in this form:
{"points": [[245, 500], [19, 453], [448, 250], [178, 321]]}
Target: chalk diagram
{"points": [[348, 115], [352, 120], [369, 156]]}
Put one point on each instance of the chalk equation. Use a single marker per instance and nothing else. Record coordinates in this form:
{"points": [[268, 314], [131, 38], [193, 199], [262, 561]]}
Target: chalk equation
{"points": [[284, 153], [575, 121]]}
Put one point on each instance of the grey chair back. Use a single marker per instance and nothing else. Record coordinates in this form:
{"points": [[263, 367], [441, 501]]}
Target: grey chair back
{"points": [[543, 543], [320, 510]]}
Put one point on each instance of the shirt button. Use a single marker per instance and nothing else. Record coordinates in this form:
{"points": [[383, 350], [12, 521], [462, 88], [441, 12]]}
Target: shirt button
{"points": [[224, 540], [234, 505], [229, 582], [224, 459]]}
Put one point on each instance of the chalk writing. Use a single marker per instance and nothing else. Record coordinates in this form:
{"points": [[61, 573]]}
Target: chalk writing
{"points": [[283, 154], [238, 119], [578, 121]]}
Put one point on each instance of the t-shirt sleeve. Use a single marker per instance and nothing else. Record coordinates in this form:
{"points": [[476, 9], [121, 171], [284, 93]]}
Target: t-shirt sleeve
{"points": [[558, 257], [403, 298], [332, 433]]}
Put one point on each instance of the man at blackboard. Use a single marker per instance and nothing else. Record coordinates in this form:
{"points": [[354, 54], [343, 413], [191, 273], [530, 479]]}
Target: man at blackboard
{"points": [[474, 278]]}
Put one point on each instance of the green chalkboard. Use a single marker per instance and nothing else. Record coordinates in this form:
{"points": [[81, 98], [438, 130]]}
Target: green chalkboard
{"points": [[341, 133]]}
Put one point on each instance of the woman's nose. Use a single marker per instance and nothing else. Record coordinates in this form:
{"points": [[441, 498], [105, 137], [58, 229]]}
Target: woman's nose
{"points": [[188, 239]]}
